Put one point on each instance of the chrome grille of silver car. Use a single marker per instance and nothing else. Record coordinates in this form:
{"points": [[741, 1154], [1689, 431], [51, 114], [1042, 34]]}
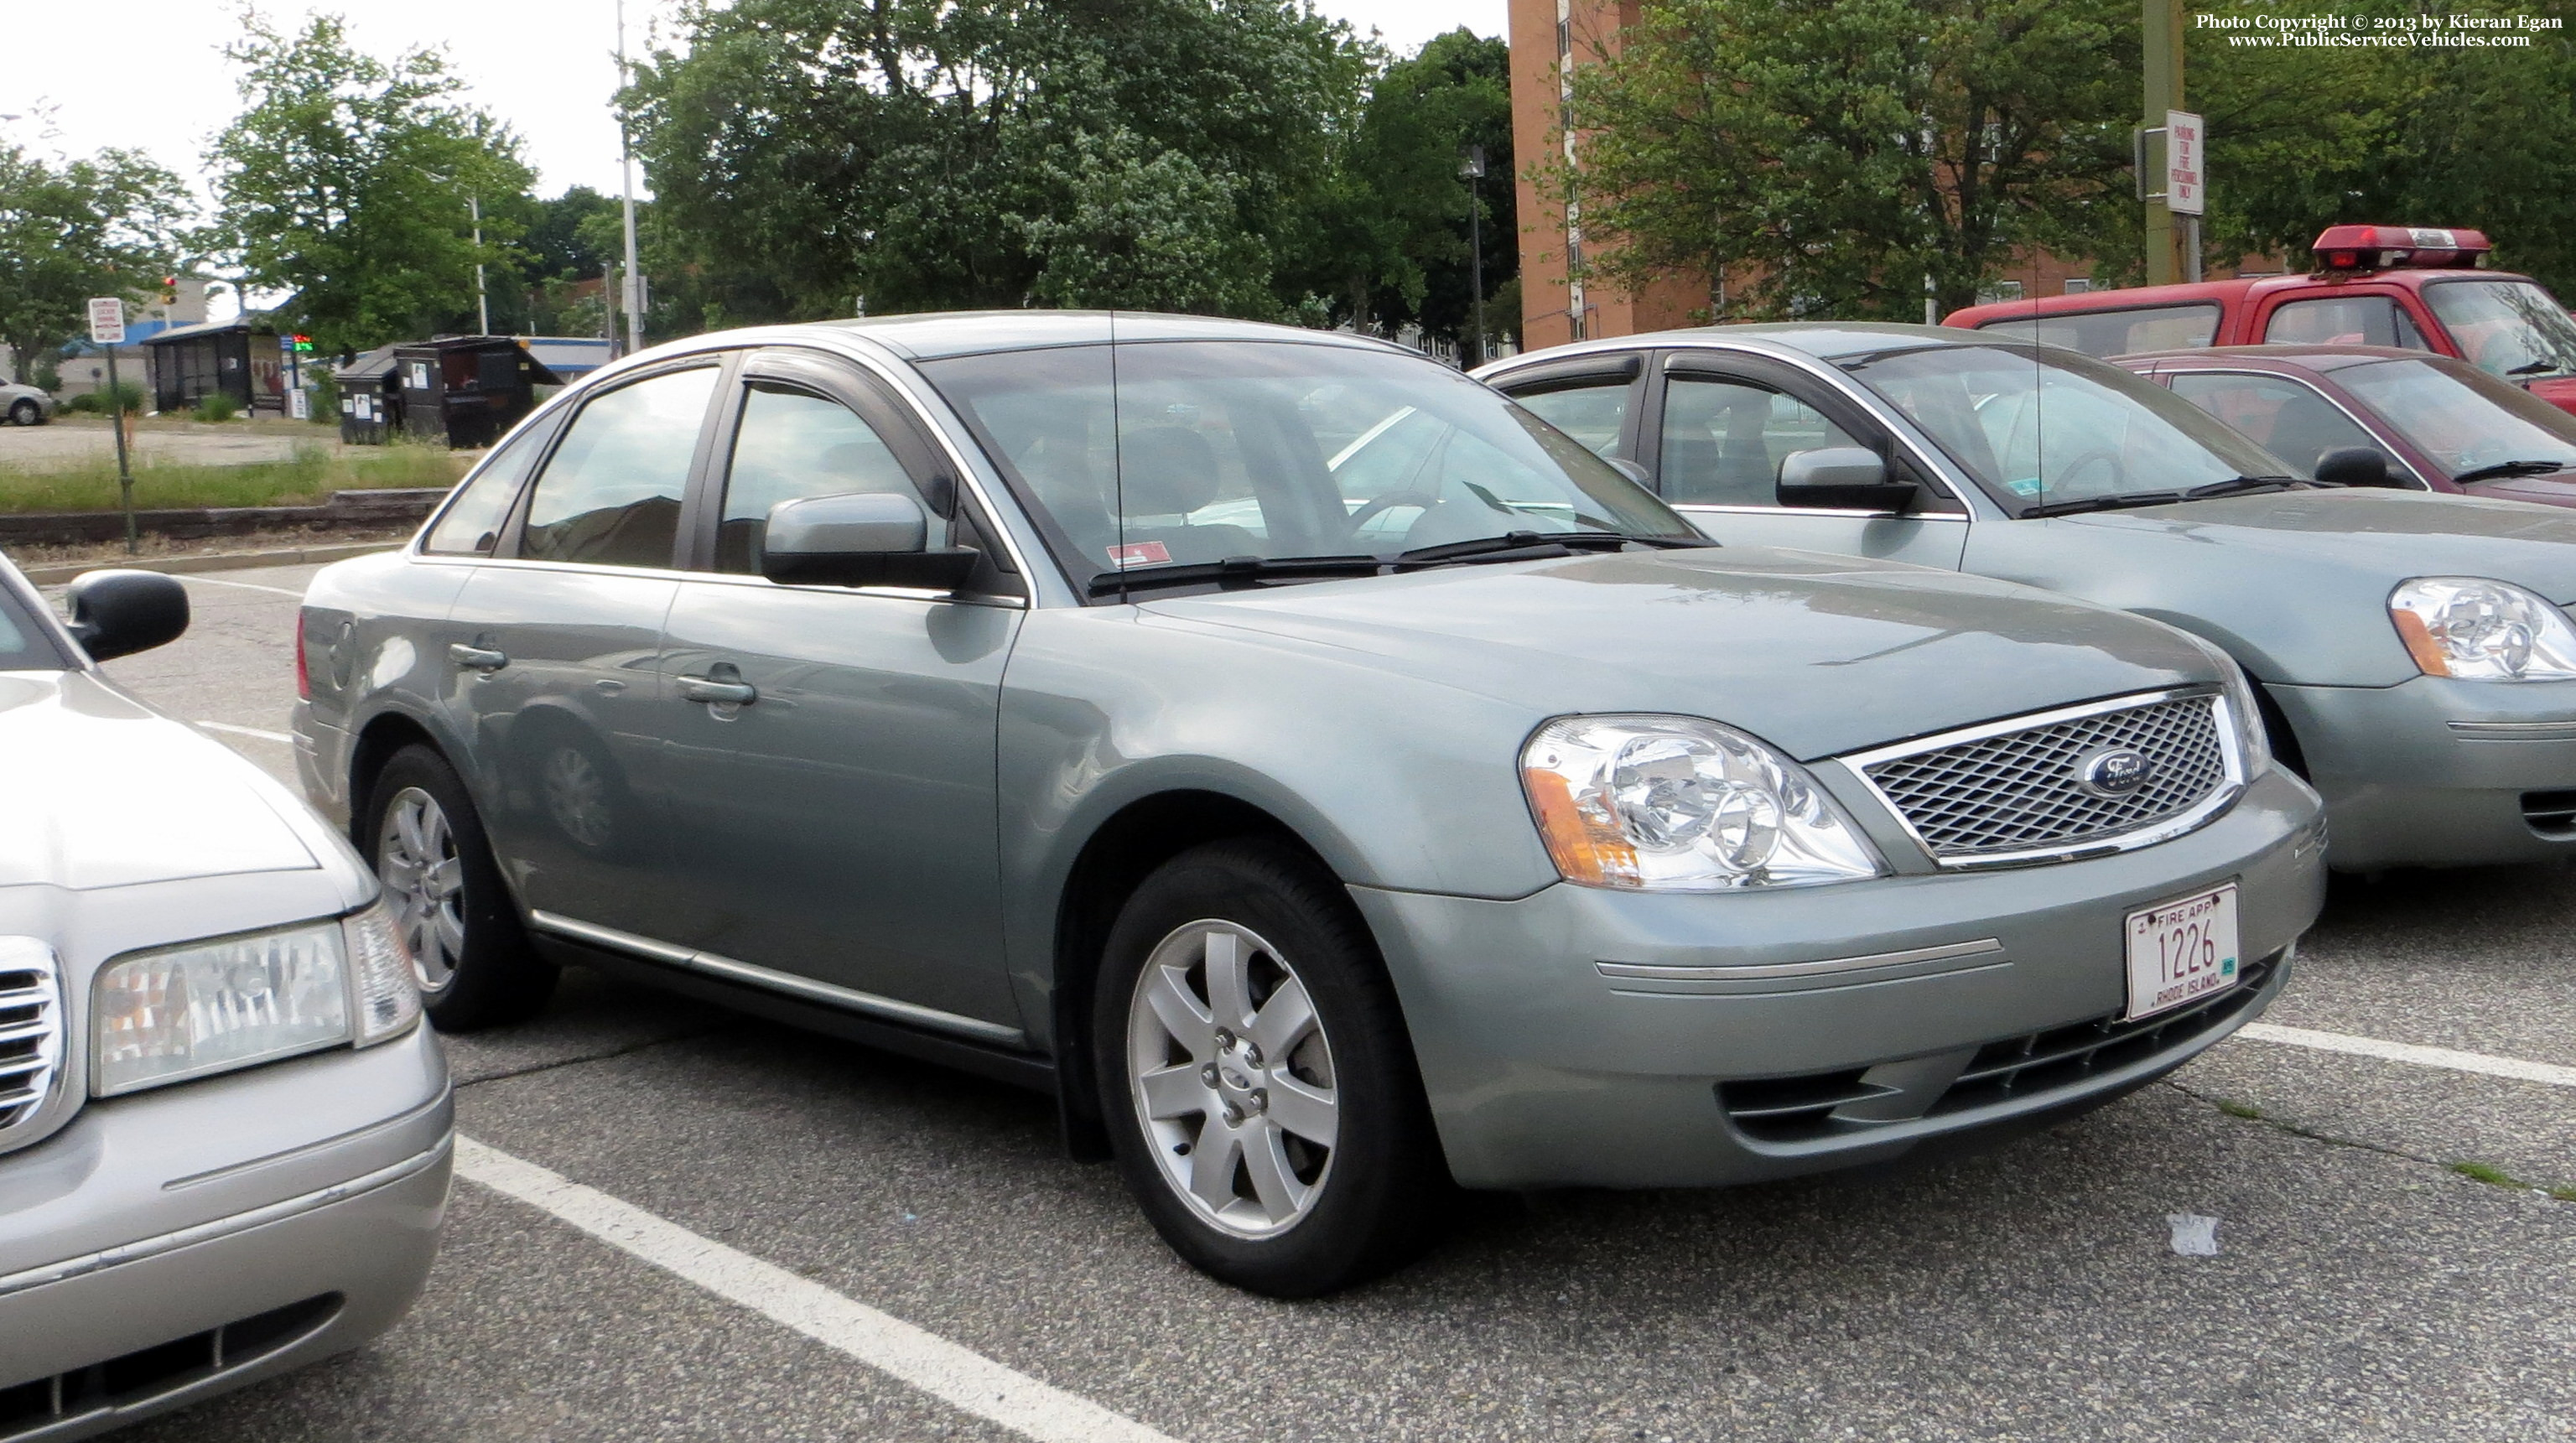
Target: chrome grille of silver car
{"points": [[2015, 791], [31, 1020]]}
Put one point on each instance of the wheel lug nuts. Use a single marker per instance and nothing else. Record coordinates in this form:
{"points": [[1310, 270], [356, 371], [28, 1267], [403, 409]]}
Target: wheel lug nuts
{"points": [[1207, 1074], [1224, 1039], [1233, 1114], [1261, 1099], [1251, 1055]]}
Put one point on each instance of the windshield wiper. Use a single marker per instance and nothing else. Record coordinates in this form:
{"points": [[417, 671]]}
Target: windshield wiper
{"points": [[2510, 468], [2534, 368], [2106, 503], [1233, 571], [2247, 485], [1513, 546]]}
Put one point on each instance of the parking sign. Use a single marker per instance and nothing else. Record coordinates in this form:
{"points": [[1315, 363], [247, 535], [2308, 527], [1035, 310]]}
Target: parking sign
{"points": [[106, 321], [2186, 190]]}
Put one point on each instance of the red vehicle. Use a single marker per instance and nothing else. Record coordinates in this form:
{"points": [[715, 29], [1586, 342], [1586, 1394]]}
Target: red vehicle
{"points": [[2439, 424], [2375, 285]]}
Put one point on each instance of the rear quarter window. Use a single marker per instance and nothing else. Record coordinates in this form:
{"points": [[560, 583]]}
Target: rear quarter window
{"points": [[2120, 332]]}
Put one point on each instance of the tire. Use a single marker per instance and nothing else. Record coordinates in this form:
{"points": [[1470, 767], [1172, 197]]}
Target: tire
{"points": [[26, 413], [469, 952], [1327, 1171]]}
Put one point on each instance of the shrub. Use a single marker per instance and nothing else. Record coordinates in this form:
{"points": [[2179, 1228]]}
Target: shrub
{"points": [[217, 406]]}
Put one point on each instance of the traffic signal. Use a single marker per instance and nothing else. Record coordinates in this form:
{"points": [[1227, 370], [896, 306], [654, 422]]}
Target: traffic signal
{"points": [[303, 344], [169, 290]]}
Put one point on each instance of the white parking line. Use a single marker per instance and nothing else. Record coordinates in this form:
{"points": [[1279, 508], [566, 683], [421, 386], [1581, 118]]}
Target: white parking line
{"points": [[244, 585], [964, 1379], [266, 736], [2513, 1067]]}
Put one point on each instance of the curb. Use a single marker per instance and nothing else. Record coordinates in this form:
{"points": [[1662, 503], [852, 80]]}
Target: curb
{"points": [[221, 561]]}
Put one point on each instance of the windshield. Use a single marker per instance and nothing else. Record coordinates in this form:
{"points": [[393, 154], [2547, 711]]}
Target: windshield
{"points": [[1206, 451], [2507, 328], [2465, 421], [22, 646], [2040, 427]]}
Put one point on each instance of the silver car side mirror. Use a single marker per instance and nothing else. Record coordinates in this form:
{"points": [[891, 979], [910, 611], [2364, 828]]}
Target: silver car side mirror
{"points": [[1841, 478], [118, 613], [873, 538]]}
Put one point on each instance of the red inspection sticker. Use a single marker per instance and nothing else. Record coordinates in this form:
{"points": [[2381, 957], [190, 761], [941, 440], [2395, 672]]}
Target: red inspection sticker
{"points": [[1139, 553]]}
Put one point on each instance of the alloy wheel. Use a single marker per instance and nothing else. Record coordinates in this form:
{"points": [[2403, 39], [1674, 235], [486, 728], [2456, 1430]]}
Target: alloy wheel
{"points": [[1232, 1078], [417, 862]]}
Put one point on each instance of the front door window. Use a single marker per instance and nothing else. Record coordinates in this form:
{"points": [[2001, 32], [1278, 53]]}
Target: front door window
{"points": [[1723, 441], [2287, 418]]}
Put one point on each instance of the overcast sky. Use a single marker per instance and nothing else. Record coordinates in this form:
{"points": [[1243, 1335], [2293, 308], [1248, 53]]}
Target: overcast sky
{"points": [[156, 81]]}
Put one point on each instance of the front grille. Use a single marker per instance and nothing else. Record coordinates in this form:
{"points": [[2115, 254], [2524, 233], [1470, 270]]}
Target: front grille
{"points": [[148, 1373], [31, 1021], [2021, 793], [2037, 1064]]}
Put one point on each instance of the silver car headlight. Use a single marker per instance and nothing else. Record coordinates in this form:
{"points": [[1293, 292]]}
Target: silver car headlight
{"points": [[207, 1007], [2480, 630], [2246, 711], [1677, 804]]}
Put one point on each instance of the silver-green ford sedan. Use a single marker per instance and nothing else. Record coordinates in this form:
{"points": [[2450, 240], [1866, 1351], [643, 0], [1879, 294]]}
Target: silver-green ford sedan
{"points": [[2415, 658], [1330, 781]]}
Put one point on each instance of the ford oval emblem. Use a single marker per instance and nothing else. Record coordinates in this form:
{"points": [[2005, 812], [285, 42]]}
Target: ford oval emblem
{"points": [[2114, 772]]}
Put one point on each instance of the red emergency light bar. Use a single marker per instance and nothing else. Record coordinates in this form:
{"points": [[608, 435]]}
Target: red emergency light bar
{"points": [[2369, 247]]}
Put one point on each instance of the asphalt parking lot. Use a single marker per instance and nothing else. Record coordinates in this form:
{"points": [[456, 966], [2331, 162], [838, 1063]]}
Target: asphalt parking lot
{"points": [[730, 1216]]}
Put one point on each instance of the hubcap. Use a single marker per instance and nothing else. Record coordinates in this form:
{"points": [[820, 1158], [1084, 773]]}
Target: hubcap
{"points": [[577, 796], [1233, 1079], [416, 862]]}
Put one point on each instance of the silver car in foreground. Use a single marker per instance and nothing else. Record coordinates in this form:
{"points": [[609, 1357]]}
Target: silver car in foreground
{"points": [[224, 1134], [1327, 779], [25, 405], [2414, 653]]}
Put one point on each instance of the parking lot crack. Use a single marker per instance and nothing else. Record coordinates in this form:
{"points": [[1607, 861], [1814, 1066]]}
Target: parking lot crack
{"points": [[554, 1064], [2243, 1113]]}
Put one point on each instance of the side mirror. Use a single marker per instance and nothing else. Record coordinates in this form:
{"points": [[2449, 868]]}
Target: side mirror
{"points": [[2356, 466], [1841, 478], [875, 538], [118, 613]]}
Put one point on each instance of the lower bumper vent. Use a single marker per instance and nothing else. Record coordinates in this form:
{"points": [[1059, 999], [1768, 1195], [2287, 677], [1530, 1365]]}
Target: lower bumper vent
{"points": [[1819, 1105], [2551, 814], [148, 1373]]}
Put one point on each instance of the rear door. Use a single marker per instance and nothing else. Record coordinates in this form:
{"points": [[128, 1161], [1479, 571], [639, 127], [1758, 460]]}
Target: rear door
{"points": [[551, 661], [1717, 429], [839, 824]]}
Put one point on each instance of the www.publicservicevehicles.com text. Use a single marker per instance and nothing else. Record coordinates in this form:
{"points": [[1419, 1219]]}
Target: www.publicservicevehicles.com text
{"points": [[2397, 31]]}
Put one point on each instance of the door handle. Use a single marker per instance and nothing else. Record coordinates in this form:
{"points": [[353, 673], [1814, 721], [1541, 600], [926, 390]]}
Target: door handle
{"points": [[477, 658], [707, 689]]}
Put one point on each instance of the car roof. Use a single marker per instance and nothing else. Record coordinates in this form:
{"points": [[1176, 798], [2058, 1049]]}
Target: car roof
{"points": [[960, 333], [1821, 340], [2320, 357]]}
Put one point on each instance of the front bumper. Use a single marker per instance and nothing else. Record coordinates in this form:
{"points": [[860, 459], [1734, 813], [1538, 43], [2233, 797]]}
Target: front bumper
{"points": [[1544, 1070], [2439, 773], [186, 1241]]}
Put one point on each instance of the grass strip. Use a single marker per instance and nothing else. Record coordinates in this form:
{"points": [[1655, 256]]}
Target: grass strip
{"points": [[308, 477]]}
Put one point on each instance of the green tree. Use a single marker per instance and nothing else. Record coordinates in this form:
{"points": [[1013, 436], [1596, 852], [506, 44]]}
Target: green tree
{"points": [[346, 180], [1396, 237], [1832, 154], [916, 154], [104, 226], [2303, 138]]}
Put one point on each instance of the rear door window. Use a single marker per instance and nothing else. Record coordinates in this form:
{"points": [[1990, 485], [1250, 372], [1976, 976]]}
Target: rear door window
{"points": [[2120, 332], [472, 522], [2343, 321], [611, 494], [1590, 413], [2288, 418]]}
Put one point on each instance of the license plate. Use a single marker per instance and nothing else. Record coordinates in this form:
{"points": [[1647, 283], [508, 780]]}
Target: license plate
{"points": [[2181, 952]]}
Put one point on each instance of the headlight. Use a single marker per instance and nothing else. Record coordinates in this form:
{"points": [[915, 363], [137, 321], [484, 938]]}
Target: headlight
{"points": [[234, 1002], [1676, 804], [2252, 742], [2481, 630]]}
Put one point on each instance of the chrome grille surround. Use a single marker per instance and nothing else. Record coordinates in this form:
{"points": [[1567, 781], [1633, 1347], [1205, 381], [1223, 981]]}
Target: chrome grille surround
{"points": [[2007, 793], [31, 1035]]}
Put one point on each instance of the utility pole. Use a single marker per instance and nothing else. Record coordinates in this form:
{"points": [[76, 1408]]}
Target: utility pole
{"points": [[2161, 28], [632, 290], [482, 301], [1474, 169]]}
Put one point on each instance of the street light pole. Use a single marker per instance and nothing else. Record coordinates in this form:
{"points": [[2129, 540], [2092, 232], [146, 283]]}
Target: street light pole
{"points": [[482, 300], [631, 289], [1474, 169]]}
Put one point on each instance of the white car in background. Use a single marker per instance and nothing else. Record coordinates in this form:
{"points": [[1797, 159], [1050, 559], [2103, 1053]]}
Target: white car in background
{"points": [[25, 405]]}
